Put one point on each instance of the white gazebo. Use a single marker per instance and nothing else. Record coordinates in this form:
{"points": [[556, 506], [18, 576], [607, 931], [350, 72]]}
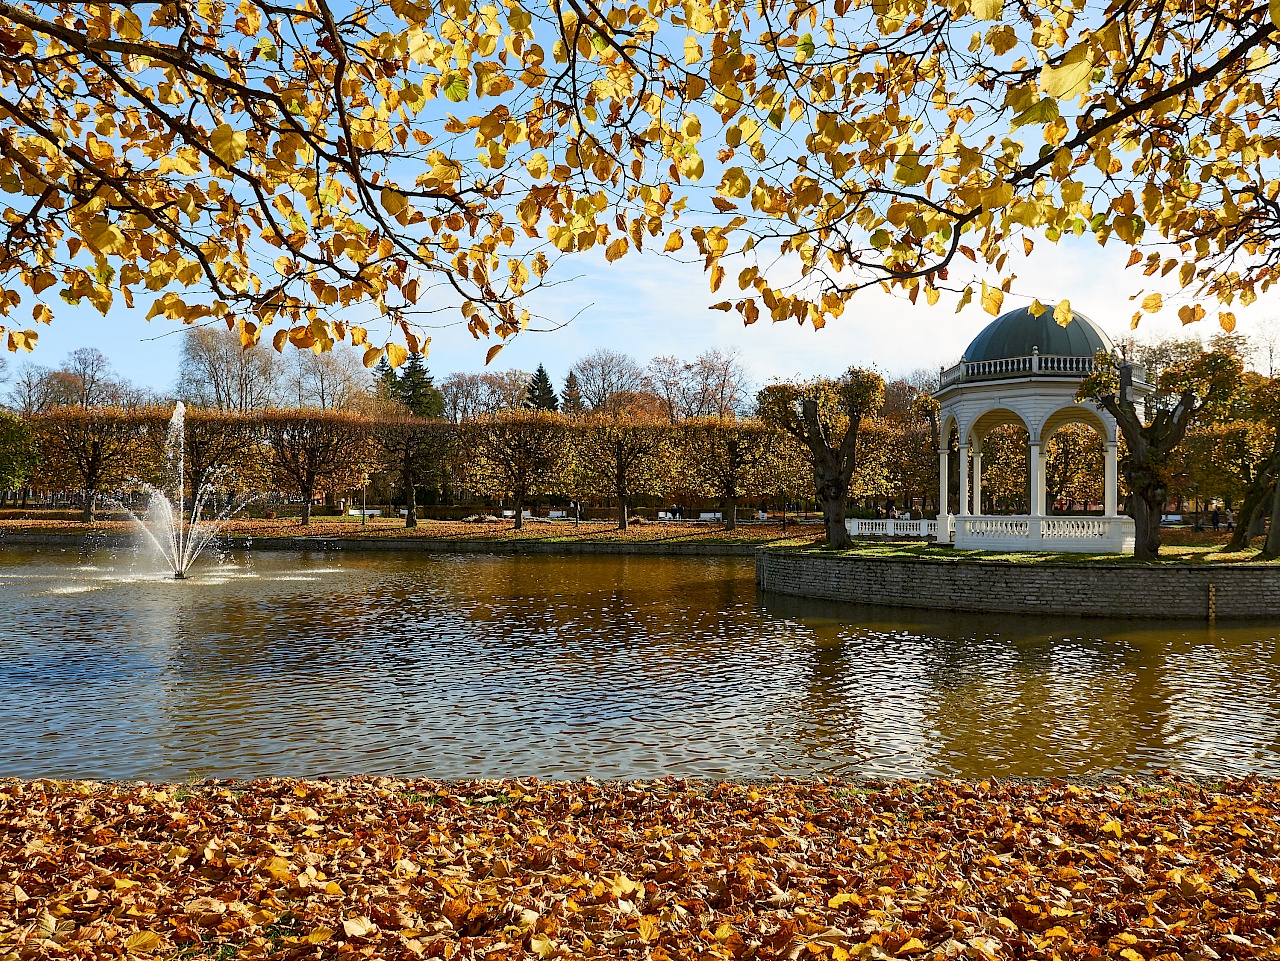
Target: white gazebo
{"points": [[1025, 369]]}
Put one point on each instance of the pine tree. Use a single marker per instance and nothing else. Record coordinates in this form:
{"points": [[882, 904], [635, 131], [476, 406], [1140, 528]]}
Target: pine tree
{"points": [[571, 401], [416, 389], [541, 395], [384, 378]]}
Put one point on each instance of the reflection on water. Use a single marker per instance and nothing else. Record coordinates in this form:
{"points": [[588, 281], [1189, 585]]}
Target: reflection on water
{"points": [[452, 666]]}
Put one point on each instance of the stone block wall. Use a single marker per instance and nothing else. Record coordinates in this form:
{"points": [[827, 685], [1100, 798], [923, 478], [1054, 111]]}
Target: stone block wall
{"points": [[1087, 589]]}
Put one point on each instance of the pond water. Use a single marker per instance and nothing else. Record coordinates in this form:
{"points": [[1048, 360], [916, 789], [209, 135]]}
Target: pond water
{"points": [[471, 665]]}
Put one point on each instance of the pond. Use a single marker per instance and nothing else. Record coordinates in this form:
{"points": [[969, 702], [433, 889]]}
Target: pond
{"points": [[471, 665]]}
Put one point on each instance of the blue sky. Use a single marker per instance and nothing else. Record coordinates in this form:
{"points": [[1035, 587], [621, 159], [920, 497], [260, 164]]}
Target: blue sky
{"points": [[649, 305]]}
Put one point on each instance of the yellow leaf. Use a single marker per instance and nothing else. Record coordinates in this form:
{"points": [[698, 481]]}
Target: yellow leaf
{"points": [[844, 897], [1189, 313], [228, 145], [393, 201], [674, 242], [1274, 7], [992, 299], [1062, 313], [988, 9], [319, 935], [536, 165], [396, 354], [1036, 308], [931, 294], [735, 183], [372, 356], [1114, 828], [1227, 321], [104, 236], [648, 929], [1070, 77], [493, 352], [1152, 303], [616, 249], [143, 941], [692, 50], [22, 339], [913, 946], [543, 946], [358, 927], [965, 298], [1131, 955], [909, 171]]}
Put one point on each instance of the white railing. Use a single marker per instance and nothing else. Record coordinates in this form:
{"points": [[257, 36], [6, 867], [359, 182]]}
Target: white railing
{"points": [[1096, 535], [1051, 527], [888, 527], [1057, 365]]}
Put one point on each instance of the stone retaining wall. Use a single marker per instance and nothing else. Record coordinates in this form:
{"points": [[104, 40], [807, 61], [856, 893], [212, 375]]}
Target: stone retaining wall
{"points": [[1090, 589], [408, 545]]}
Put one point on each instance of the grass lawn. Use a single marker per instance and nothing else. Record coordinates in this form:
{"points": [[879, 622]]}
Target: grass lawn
{"points": [[1179, 546], [406, 869]]}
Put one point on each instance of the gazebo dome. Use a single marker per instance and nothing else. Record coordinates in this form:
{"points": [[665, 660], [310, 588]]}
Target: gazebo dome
{"points": [[1018, 332]]}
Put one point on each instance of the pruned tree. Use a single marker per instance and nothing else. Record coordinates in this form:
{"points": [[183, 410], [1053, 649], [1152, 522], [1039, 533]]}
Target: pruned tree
{"points": [[96, 449], [314, 450], [824, 416], [1183, 391], [518, 453], [224, 448], [18, 458], [416, 451], [731, 459], [622, 457]]}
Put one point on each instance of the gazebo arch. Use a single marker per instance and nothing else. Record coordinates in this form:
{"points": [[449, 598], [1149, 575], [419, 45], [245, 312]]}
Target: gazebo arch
{"points": [[1026, 369]]}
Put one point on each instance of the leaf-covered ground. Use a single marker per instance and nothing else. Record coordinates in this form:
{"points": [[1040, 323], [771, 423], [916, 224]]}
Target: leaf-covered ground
{"points": [[559, 531], [381, 868]]}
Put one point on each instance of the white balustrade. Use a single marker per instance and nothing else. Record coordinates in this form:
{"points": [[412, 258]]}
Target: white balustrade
{"points": [[890, 527], [1030, 365], [1091, 535]]}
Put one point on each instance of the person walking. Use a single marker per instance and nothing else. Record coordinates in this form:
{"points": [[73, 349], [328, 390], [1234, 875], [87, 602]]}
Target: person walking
{"points": [[1215, 518]]}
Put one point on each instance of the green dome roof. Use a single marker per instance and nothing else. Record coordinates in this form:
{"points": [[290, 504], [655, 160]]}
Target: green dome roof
{"points": [[1017, 333]]}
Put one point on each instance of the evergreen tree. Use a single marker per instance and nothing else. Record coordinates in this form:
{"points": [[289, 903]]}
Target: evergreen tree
{"points": [[542, 395], [571, 401], [416, 389], [384, 378]]}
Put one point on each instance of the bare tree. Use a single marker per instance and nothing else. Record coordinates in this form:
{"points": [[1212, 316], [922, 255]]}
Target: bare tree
{"points": [[216, 371], [603, 374], [334, 380], [92, 381], [463, 394], [723, 385], [504, 390], [1267, 344]]}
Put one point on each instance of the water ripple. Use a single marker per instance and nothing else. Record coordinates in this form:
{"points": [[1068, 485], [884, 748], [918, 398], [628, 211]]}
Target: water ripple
{"points": [[461, 665]]}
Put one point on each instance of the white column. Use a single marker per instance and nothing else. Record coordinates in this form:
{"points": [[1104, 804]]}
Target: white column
{"points": [[943, 487], [977, 481], [1036, 466], [1111, 485], [964, 480]]}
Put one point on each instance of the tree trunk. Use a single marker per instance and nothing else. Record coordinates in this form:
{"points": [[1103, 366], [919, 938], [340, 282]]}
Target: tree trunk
{"points": [[1272, 546], [1247, 522], [1148, 508], [622, 513], [411, 505], [519, 511], [86, 515], [730, 508], [833, 519]]}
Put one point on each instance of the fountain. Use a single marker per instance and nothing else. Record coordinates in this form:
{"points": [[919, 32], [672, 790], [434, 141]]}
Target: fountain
{"points": [[179, 536]]}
